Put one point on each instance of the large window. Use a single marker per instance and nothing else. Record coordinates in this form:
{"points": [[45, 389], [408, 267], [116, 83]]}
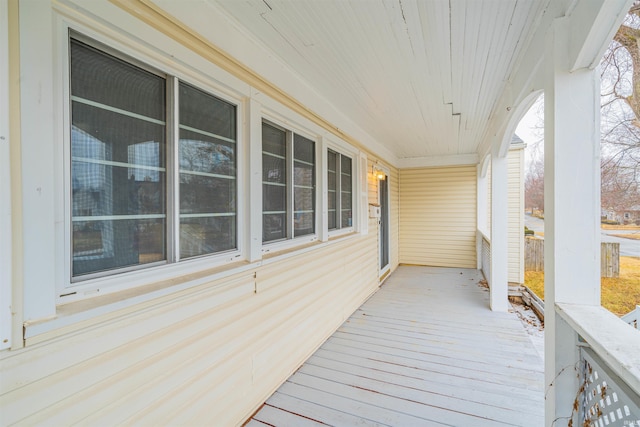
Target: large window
{"points": [[288, 184], [122, 184], [339, 190]]}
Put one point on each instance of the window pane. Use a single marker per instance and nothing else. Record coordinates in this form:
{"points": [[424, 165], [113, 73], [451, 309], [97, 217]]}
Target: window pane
{"points": [[274, 198], [332, 195], [303, 174], [303, 223], [204, 194], [346, 197], [207, 160], [199, 153], [303, 149], [204, 112], [304, 186], [274, 188], [274, 140], [274, 169], [102, 245], [104, 79], [118, 163], [274, 226], [206, 235]]}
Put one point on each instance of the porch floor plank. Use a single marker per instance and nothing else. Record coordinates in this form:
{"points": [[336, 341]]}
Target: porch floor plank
{"points": [[424, 350]]}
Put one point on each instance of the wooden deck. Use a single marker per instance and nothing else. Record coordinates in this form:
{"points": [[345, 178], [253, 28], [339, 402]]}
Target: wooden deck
{"points": [[424, 350]]}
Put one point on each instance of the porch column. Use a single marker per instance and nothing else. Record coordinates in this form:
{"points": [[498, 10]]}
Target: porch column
{"points": [[572, 198], [481, 214], [498, 284]]}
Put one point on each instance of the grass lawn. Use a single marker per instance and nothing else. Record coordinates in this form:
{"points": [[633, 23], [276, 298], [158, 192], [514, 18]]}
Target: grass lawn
{"points": [[620, 227], [619, 295], [635, 236]]}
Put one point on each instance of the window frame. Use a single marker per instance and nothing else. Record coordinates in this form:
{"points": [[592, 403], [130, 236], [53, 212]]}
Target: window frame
{"points": [[346, 150], [70, 288], [250, 113], [291, 241], [339, 179]]}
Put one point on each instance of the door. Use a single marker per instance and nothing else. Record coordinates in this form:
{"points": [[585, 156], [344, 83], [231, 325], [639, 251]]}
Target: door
{"points": [[383, 196]]}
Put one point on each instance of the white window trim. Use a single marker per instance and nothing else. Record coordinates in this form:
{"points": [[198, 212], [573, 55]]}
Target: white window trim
{"points": [[121, 279], [347, 150], [286, 244], [5, 184]]}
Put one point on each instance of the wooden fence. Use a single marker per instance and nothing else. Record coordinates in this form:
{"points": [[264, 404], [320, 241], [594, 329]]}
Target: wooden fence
{"points": [[609, 257], [533, 254]]}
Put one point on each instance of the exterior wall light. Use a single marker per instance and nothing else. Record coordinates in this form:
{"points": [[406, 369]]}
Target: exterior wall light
{"points": [[379, 174]]}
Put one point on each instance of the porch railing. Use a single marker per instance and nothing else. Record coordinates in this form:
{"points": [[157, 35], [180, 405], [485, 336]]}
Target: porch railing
{"points": [[608, 367], [485, 254], [633, 318]]}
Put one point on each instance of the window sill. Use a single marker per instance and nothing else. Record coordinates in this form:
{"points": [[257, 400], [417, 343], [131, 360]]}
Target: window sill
{"points": [[340, 234]]}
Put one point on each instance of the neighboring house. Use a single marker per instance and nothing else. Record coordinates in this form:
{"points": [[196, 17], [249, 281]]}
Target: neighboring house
{"points": [[625, 216], [195, 194]]}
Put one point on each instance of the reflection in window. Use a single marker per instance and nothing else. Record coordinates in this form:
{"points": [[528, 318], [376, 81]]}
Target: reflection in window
{"points": [[339, 190], [118, 162], [119, 157], [304, 200], [207, 163], [274, 183], [288, 199]]}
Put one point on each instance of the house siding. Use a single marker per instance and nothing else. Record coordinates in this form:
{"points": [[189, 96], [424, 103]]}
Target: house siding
{"points": [[212, 354], [438, 216]]}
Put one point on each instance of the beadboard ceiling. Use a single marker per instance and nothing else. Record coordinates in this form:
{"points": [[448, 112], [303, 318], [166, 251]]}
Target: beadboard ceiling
{"points": [[422, 77]]}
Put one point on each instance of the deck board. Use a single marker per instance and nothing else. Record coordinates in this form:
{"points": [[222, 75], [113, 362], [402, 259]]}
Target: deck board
{"points": [[424, 350]]}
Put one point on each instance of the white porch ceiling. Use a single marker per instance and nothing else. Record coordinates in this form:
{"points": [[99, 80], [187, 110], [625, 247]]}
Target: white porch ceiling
{"points": [[421, 77]]}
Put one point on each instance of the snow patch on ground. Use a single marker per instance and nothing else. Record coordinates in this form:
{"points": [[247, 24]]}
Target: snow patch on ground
{"points": [[533, 326]]}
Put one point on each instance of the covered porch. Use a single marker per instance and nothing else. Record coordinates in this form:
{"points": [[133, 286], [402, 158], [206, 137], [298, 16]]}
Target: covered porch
{"points": [[420, 100], [423, 350]]}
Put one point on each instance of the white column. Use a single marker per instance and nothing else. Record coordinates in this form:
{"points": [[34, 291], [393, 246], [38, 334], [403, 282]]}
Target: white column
{"points": [[481, 214], [498, 284], [572, 198]]}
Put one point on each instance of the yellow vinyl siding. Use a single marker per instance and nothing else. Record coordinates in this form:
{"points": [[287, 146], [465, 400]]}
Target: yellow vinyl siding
{"points": [[209, 355], [438, 216], [516, 215]]}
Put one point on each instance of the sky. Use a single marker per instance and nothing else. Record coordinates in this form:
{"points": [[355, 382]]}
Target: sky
{"points": [[528, 130]]}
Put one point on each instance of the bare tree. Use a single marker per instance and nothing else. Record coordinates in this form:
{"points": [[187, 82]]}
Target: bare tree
{"points": [[620, 72], [534, 185], [620, 100], [620, 124]]}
